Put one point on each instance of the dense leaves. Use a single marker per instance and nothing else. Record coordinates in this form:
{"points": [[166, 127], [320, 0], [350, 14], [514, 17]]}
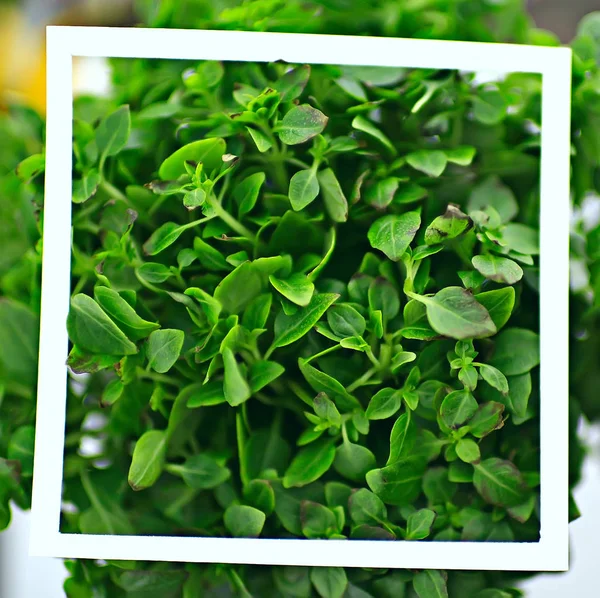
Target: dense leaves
{"points": [[271, 268]]}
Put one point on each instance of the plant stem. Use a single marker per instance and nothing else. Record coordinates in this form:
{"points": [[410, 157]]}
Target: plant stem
{"points": [[362, 380], [158, 377], [114, 192], [277, 157], [324, 352], [372, 358], [301, 393], [234, 224], [240, 433]]}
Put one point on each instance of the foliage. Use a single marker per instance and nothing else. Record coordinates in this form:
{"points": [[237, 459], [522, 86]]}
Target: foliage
{"points": [[296, 297]]}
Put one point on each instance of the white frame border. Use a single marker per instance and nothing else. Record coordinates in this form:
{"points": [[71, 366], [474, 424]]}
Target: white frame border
{"points": [[554, 64]]}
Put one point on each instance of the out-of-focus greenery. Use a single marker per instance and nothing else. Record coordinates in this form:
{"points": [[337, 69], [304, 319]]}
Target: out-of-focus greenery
{"points": [[21, 200]]}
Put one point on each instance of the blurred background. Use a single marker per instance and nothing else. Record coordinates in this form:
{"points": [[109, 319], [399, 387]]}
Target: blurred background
{"points": [[22, 79]]}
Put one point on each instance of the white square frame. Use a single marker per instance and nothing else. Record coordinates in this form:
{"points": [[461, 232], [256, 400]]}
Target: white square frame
{"points": [[554, 64]]}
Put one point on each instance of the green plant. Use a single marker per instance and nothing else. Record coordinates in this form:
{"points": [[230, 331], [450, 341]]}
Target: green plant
{"points": [[307, 273]]}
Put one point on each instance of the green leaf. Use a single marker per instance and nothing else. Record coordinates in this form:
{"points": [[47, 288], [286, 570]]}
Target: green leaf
{"points": [[31, 167], [336, 203], [402, 438], [257, 312], [419, 524], [458, 408], [19, 329], [262, 373], [366, 508], [449, 226], [304, 188], [300, 124], [81, 362], [164, 236], [330, 582], [326, 409], [381, 194], [205, 395], [468, 450], [239, 288], [511, 362], [289, 329], [207, 74], [151, 584], [86, 187], [260, 495], [468, 377], [345, 321], [159, 111], [209, 257], [243, 521], [201, 472], [91, 329], [266, 449], [353, 88], [113, 132], [430, 584], [489, 107], [106, 516], [163, 349], [297, 288], [153, 273], [293, 82], [321, 382], [292, 581], [499, 304], [20, 448], [353, 461], [400, 359], [236, 387], [498, 269], [487, 419], [437, 487], [210, 306], [522, 238], [262, 142], [148, 459], [207, 151], [112, 392], [393, 234], [519, 391], [416, 325], [494, 377], [431, 162], [471, 280], [362, 124], [371, 532], [246, 193], [409, 193], [492, 193], [462, 155], [500, 483], [317, 520], [310, 464], [123, 314], [455, 313], [383, 297], [384, 403], [194, 199], [398, 484], [355, 343]]}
